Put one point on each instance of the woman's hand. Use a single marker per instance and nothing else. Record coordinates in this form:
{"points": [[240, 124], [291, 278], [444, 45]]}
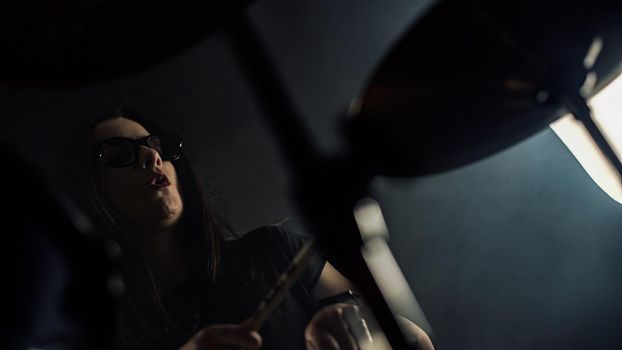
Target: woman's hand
{"points": [[335, 327], [224, 336]]}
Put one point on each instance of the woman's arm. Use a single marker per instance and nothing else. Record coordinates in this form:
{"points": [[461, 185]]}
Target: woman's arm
{"points": [[330, 319], [224, 337]]}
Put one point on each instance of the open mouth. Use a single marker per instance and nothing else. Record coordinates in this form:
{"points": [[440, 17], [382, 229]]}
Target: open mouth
{"points": [[159, 181]]}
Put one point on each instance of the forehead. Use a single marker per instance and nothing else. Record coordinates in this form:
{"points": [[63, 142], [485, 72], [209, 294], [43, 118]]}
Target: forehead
{"points": [[118, 127]]}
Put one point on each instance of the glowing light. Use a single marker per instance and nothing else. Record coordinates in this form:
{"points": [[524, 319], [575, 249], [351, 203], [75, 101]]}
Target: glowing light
{"points": [[607, 111]]}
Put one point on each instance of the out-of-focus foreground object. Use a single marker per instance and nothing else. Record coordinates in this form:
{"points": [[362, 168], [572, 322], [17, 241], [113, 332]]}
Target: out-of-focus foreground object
{"points": [[69, 42], [59, 277], [474, 77]]}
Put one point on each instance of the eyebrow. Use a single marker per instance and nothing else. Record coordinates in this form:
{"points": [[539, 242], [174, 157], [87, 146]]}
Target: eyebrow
{"points": [[120, 137]]}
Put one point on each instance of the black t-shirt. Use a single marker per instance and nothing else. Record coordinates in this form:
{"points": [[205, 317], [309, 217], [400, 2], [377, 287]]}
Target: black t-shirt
{"points": [[251, 266]]}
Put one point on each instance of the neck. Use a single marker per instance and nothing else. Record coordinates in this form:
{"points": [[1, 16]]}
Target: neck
{"points": [[164, 254]]}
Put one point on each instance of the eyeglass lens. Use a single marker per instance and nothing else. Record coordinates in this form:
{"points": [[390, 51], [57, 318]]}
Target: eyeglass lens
{"points": [[122, 152]]}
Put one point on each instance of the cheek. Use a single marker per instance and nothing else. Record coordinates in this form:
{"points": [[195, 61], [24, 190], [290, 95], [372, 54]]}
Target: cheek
{"points": [[178, 189], [117, 190]]}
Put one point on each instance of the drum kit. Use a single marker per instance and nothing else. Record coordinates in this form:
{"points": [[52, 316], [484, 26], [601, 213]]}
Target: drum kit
{"points": [[468, 79]]}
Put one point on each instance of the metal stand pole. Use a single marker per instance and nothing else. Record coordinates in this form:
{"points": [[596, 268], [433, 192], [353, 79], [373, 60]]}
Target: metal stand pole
{"points": [[326, 189]]}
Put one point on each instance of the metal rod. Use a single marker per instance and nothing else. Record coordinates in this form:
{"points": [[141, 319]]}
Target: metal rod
{"points": [[581, 111], [327, 189]]}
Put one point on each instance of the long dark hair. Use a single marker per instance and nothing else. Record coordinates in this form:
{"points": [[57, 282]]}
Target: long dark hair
{"points": [[198, 230]]}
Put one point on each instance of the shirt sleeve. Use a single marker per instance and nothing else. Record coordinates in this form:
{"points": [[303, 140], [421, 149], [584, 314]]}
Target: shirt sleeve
{"points": [[294, 243], [281, 246]]}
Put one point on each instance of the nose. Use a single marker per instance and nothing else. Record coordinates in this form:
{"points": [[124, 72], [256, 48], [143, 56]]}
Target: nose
{"points": [[148, 158]]}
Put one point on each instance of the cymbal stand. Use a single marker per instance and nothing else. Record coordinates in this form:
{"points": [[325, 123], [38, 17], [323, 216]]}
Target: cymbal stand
{"points": [[326, 188]]}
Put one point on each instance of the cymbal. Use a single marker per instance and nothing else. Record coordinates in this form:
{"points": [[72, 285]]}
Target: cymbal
{"points": [[474, 77], [76, 41]]}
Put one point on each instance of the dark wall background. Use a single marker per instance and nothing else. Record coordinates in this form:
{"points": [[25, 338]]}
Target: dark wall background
{"points": [[519, 251]]}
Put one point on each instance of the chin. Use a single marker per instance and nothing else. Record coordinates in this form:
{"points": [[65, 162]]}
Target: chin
{"points": [[169, 221], [168, 205], [171, 213]]}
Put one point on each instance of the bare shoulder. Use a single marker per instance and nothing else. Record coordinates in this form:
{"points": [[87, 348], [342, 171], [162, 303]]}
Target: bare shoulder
{"points": [[331, 282]]}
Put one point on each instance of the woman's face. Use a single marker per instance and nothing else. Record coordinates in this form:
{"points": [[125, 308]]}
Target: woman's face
{"points": [[145, 194]]}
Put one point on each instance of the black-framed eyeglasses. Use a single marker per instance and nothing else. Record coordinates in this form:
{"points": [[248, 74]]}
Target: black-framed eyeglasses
{"points": [[120, 152]]}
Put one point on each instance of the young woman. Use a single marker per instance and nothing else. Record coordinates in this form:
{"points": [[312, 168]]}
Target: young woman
{"points": [[186, 286]]}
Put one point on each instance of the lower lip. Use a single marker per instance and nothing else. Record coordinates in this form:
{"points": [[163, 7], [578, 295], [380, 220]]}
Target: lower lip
{"points": [[161, 185]]}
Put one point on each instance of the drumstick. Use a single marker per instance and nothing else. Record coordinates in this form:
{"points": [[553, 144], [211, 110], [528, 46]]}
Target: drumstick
{"points": [[278, 292]]}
